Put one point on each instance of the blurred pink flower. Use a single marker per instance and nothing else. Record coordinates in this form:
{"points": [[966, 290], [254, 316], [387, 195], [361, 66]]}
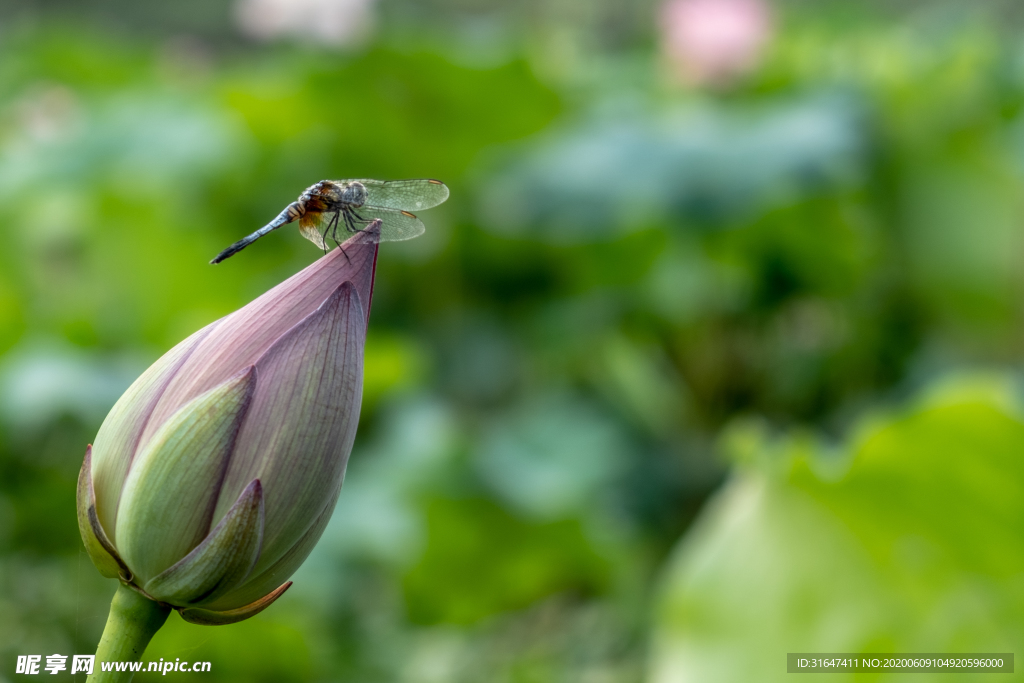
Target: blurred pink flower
{"points": [[714, 41], [332, 22]]}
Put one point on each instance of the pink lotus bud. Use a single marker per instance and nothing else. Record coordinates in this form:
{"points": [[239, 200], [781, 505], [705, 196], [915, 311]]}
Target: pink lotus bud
{"points": [[212, 478]]}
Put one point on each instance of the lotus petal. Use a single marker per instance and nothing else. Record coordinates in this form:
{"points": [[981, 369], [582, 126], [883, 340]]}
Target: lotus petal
{"points": [[302, 421], [222, 560], [119, 435], [101, 550], [168, 498], [241, 338]]}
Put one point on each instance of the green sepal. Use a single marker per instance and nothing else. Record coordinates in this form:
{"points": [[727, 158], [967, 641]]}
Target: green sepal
{"points": [[205, 617], [101, 550], [222, 561]]}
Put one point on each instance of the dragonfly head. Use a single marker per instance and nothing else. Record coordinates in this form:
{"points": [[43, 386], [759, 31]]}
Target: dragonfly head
{"points": [[354, 194]]}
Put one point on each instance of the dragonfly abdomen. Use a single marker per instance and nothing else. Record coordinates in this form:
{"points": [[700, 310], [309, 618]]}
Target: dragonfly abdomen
{"points": [[291, 212]]}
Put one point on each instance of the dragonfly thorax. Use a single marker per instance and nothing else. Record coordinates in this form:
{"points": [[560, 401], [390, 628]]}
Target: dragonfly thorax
{"points": [[354, 194], [328, 195]]}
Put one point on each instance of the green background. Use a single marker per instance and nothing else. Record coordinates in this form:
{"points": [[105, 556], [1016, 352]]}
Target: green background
{"points": [[683, 377]]}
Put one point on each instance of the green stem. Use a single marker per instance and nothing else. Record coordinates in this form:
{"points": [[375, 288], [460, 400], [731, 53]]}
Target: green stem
{"points": [[133, 621]]}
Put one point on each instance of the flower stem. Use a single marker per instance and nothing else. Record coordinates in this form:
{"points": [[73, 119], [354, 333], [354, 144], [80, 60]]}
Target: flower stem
{"points": [[132, 622]]}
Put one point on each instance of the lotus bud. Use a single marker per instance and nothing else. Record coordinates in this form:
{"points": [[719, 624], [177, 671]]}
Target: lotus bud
{"points": [[215, 474]]}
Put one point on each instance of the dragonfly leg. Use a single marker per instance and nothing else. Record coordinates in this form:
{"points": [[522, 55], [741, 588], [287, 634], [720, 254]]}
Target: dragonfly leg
{"points": [[349, 221], [367, 222], [327, 229], [334, 234], [333, 228]]}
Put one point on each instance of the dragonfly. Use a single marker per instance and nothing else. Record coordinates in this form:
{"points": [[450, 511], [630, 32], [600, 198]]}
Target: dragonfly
{"points": [[381, 210]]}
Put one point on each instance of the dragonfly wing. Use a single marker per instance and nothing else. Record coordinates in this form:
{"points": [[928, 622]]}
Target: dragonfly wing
{"points": [[312, 226], [407, 195], [395, 225]]}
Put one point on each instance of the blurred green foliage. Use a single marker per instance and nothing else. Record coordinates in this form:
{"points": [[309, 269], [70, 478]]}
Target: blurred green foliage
{"points": [[906, 541], [630, 272]]}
